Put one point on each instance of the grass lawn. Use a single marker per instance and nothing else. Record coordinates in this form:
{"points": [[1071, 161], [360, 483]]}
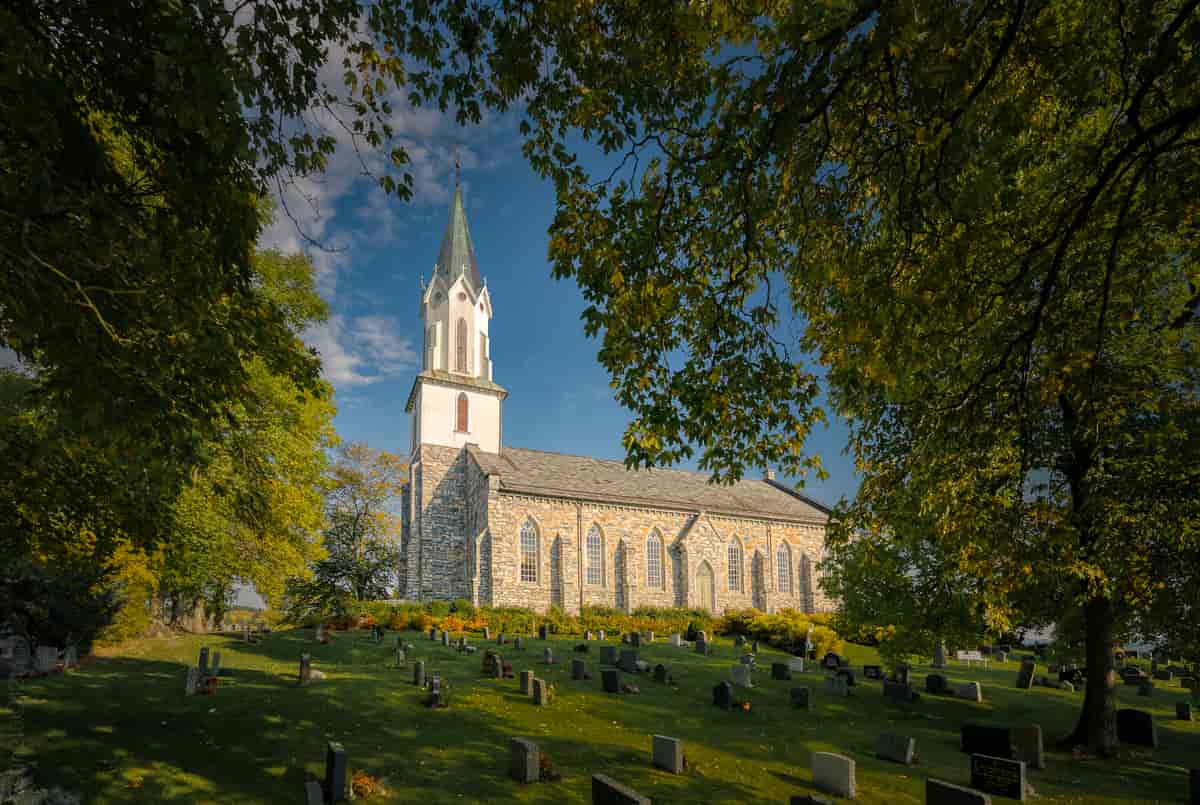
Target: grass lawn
{"points": [[120, 729]]}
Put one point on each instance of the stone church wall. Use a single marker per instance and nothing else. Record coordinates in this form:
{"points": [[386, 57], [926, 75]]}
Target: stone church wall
{"points": [[443, 523]]}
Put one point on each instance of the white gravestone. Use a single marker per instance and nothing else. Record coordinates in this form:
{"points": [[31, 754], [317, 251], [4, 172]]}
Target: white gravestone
{"points": [[834, 773], [741, 675]]}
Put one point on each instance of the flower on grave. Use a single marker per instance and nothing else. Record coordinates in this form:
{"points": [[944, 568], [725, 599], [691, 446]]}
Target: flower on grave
{"points": [[745, 706], [546, 771], [363, 785]]}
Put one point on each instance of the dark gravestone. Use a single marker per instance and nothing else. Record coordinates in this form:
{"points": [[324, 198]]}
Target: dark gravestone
{"points": [[419, 673], [980, 739], [723, 695], [578, 669], [872, 672], [607, 791], [635, 639], [661, 674], [582, 648], [1183, 711], [780, 670], [936, 684], [628, 661], [1076, 676], [831, 661], [523, 760], [809, 799], [541, 692], [1194, 783], [543, 632], [1136, 727], [899, 692], [203, 663], [848, 675], [611, 680], [1164, 675], [1005, 778], [941, 793], [1025, 675], [802, 698], [897, 748], [608, 655], [335, 772], [900, 674]]}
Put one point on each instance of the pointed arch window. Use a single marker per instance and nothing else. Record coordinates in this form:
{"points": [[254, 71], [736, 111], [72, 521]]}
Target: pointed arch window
{"points": [[595, 556], [460, 345], [654, 575], [529, 552], [461, 420], [783, 567], [735, 564]]}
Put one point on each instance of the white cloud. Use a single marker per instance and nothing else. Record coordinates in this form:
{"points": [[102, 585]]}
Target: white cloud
{"points": [[361, 351]]}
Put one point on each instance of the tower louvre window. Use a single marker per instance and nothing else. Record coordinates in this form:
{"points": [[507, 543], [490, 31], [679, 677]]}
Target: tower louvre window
{"points": [[460, 346]]}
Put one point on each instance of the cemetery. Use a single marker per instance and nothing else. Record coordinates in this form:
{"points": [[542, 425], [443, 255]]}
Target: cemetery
{"points": [[418, 718]]}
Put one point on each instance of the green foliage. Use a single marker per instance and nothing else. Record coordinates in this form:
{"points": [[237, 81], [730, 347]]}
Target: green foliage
{"points": [[57, 608], [787, 630]]}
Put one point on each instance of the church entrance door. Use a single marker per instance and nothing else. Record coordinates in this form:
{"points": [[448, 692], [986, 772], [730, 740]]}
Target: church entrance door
{"points": [[704, 587]]}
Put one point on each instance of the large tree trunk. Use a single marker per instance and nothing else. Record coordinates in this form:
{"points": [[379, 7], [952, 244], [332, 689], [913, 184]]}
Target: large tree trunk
{"points": [[1097, 725]]}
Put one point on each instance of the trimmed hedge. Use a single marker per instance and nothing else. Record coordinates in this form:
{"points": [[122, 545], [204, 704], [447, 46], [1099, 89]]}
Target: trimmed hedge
{"points": [[785, 630]]}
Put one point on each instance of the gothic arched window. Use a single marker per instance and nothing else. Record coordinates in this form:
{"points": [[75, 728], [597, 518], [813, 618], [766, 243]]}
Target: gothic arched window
{"points": [[461, 421], [595, 556], [529, 552], [460, 345], [654, 576], [735, 564], [783, 567]]}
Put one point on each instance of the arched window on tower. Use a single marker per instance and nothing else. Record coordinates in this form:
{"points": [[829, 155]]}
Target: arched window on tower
{"points": [[783, 567], [460, 345], [529, 552], [735, 564], [595, 556], [461, 420], [654, 575]]}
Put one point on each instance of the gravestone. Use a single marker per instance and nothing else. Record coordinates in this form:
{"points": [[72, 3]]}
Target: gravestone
{"points": [[661, 674], [635, 639], [335, 772], [780, 671], [487, 633], [524, 760], [834, 773], [548, 655], [45, 659], [741, 676], [1183, 711], [1194, 784], [739, 640], [1136, 727], [608, 655], [796, 664], [939, 656], [400, 658], [610, 680], [541, 692], [802, 698], [193, 681], [305, 669], [526, 682], [836, 685], [848, 675], [982, 739], [203, 662], [607, 791], [754, 646], [649, 637], [419, 673], [831, 661], [432, 633], [723, 695], [21, 655], [808, 799], [1145, 688], [936, 684], [500, 639], [578, 669], [71, 657], [544, 632], [445, 638], [872, 672], [581, 648], [588, 635], [702, 635], [1027, 746], [938, 792], [629, 660], [676, 641], [995, 775], [896, 748], [899, 692], [313, 795], [701, 646], [1163, 675], [1001, 656], [1025, 675], [216, 664], [519, 643], [600, 634], [900, 674], [667, 753], [971, 691], [747, 659]]}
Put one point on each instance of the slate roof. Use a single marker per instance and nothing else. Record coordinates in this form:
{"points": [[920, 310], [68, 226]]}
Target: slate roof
{"points": [[453, 379], [457, 255], [602, 480]]}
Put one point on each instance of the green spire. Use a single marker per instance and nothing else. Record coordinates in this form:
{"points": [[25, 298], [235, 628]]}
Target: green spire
{"points": [[457, 255]]}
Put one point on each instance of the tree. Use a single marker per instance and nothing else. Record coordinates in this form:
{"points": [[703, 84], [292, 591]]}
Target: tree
{"points": [[983, 215], [362, 539]]}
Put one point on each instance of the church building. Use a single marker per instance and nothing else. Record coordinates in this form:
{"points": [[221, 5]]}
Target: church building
{"points": [[514, 527]]}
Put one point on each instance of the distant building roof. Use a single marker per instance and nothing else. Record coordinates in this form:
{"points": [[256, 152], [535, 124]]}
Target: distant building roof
{"points": [[603, 480]]}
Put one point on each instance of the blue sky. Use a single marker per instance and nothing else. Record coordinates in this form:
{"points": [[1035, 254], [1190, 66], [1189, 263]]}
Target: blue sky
{"points": [[379, 248]]}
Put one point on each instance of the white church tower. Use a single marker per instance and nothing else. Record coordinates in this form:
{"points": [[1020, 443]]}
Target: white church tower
{"points": [[453, 403]]}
